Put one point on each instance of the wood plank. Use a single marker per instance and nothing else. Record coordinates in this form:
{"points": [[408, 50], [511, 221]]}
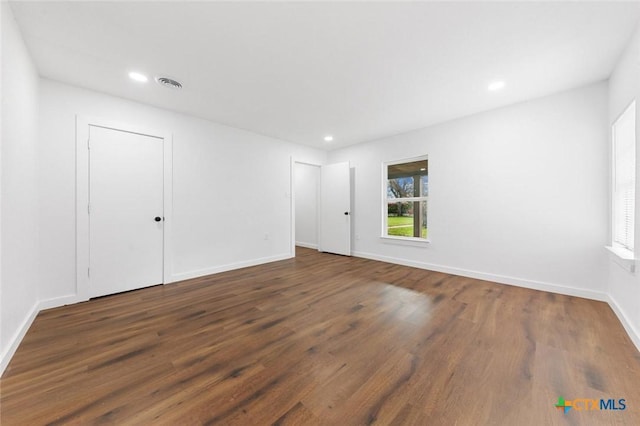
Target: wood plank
{"points": [[323, 339]]}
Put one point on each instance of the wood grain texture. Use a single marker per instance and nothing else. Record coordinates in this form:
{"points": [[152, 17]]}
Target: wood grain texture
{"points": [[321, 340]]}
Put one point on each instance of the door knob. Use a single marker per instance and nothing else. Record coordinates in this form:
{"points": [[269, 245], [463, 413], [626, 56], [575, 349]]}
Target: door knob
{"points": [[346, 213], [158, 219]]}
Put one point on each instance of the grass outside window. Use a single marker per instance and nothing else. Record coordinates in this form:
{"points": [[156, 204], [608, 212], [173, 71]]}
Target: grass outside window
{"points": [[402, 226]]}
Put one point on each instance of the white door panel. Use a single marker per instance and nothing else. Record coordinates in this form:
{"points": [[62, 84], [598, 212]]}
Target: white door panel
{"points": [[125, 196], [335, 209]]}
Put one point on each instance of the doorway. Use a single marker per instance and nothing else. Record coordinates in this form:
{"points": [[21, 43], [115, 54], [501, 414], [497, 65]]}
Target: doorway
{"points": [[322, 207], [307, 193]]}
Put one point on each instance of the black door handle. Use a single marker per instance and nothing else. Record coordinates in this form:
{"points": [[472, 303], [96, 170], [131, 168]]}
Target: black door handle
{"points": [[158, 219], [346, 213]]}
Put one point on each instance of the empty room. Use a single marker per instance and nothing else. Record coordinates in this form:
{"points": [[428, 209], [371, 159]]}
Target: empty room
{"points": [[319, 213]]}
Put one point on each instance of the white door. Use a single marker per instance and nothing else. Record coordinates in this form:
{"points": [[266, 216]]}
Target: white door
{"points": [[335, 209], [125, 211]]}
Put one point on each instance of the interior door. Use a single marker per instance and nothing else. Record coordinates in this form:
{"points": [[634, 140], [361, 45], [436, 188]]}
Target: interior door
{"points": [[335, 209], [125, 211]]}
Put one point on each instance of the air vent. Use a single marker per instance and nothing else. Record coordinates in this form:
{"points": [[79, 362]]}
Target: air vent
{"points": [[169, 82]]}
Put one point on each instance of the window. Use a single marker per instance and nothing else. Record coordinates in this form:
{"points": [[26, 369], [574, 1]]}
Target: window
{"points": [[624, 179], [406, 191]]}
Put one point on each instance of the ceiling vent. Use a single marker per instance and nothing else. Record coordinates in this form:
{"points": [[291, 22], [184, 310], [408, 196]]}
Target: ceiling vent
{"points": [[169, 82]]}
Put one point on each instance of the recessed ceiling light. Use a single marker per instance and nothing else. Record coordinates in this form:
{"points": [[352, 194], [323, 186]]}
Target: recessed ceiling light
{"points": [[138, 77], [328, 138], [496, 85]]}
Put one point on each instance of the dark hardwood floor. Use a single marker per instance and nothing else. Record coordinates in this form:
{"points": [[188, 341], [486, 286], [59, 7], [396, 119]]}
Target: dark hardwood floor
{"points": [[323, 339]]}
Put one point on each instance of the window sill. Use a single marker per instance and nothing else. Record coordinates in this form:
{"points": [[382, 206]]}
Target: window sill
{"points": [[405, 241], [623, 258]]}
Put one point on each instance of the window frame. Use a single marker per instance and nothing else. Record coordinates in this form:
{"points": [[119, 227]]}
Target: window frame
{"points": [[385, 202], [619, 253], [618, 247]]}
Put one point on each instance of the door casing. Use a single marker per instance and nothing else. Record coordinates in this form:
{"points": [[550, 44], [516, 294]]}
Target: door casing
{"points": [[82, 197]]}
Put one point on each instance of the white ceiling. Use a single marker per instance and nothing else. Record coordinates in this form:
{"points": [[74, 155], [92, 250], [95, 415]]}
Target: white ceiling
{"points": [[299, 71]]}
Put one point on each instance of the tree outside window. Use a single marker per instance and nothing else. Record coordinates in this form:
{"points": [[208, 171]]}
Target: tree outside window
{"points": [[407, 191]]}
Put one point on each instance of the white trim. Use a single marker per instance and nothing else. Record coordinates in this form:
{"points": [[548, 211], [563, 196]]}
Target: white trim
{"points": [[56, 302], [167, 184], [16, 339], [502, 279], [622, 257], [229, 267], [82, 196], [82, 201], [621, 252], [406, 241], [634, 333], [307, 245], [406, 200], [292, 206]]}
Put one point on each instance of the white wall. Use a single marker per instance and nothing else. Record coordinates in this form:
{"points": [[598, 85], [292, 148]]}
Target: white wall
{"points": [[624, 286], [517, 195], [19, 191], [307, 181], [230, 187]]}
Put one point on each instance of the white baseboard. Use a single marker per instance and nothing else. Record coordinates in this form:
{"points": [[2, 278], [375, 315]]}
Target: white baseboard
{"points": [[502, 279], [307, 245], [59, 301], [228, 267], [634, 334], [16, 339]]}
